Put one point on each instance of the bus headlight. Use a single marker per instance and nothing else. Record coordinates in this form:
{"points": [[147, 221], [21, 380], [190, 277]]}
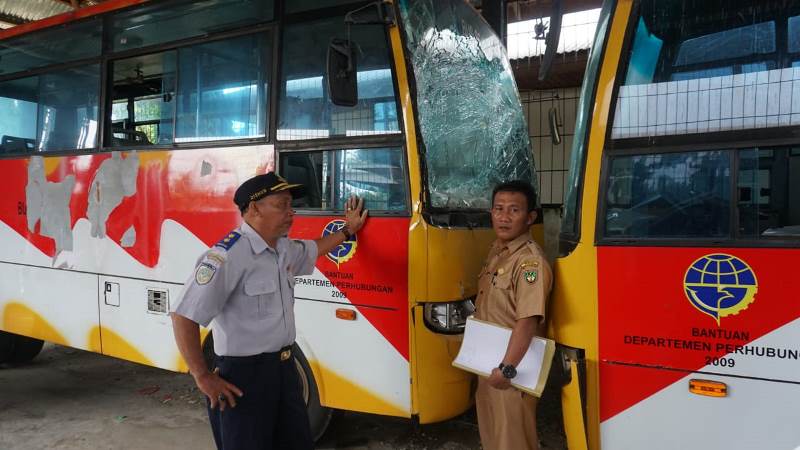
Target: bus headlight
{"points": [[449, 317]]}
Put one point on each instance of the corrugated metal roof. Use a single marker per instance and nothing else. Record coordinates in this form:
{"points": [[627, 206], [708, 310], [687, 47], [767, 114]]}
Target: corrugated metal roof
{"points": [[577, 33], [33, 9]]}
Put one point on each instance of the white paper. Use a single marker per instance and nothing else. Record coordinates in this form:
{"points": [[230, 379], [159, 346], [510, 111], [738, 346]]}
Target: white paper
{"points": [[484, 347]]}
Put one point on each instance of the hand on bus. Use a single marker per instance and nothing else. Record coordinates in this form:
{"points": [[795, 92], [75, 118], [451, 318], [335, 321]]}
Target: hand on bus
{"points": [[218, 390], [354, 213], [498, 381]]}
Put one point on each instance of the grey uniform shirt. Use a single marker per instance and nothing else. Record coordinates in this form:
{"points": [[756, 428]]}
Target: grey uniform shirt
{"points": [[247, 289]]}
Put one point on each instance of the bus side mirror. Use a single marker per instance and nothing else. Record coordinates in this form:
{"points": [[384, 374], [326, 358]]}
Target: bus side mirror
{"points": [[341, 73], [555, 135]]}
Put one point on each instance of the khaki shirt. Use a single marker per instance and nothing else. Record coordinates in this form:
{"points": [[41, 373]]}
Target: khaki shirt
{"points": [[514, 283], [244, 289]]}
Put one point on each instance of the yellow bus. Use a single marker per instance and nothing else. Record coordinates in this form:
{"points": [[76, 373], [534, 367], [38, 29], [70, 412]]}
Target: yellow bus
{"points": [[675, 285], [126, 127]]}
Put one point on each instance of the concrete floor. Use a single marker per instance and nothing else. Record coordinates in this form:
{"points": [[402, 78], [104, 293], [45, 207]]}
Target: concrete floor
{"points": [[71, 399]]}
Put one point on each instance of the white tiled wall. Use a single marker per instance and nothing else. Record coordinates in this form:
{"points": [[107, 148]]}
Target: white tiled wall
{"points": [[552, 161], [734, 102]]}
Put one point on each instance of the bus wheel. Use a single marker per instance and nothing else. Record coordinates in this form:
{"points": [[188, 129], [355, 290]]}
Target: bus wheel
{"points": [[318, 415], [6, 346], [18, 349], [25, 349]]}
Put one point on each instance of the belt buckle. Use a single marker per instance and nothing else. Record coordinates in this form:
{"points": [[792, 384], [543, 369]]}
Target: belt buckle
{"points": [[285, 355]]}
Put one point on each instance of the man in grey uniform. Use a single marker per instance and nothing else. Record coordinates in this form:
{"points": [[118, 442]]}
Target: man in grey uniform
{"points": [[244, 288]]}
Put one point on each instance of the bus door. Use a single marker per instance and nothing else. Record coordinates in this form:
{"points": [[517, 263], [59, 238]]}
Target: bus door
{"points": [[699, 228], [352, 314]]}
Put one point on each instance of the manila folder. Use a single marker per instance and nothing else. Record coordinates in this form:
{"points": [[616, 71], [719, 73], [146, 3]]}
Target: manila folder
{"points": [[484, 347]]}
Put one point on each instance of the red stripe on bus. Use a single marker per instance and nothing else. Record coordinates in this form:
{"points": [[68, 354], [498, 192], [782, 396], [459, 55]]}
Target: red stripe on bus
{"points": [[376, 275], [645, 318], [169, 187]]}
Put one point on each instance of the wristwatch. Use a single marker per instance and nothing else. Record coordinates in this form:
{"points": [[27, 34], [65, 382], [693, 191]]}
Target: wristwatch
{"points": [[508, 370]]}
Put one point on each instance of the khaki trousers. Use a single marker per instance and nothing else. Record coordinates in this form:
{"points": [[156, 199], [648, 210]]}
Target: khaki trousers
{"points": [[506, 419]]}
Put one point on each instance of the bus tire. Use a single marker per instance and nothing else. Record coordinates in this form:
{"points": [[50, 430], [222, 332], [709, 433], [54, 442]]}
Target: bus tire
{"points": [[6, 346], [25, 349], [319, 416]]}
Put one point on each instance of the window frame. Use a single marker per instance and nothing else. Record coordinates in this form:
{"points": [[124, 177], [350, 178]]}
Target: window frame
{"points": [[734, 239], [328, 147], [365, 142], [176, 46], [108, 18], [107, 56], [727, 141], [275, 27], [56, 69], [40, 33], [320, 14]]}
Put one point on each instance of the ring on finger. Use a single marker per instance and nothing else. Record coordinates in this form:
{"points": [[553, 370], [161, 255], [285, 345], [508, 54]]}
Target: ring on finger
{"points": [[221, 397]]}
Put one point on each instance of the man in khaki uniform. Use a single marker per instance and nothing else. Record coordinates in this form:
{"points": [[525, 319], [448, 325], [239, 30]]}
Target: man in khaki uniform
{"points": [[512, 292]]}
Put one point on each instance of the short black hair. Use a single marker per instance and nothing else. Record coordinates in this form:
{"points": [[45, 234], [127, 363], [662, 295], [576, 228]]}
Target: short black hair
{"points": [[521, 186]]}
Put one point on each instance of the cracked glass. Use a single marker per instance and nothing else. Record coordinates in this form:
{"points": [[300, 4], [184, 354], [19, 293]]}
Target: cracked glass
{"points": [[468, 107]]}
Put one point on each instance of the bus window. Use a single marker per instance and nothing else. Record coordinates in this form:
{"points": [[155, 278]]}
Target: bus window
{"points": [[769, 193], [222, 92], [18, 100], [460, 67], [53, 46], [68, 109], [160, 23], [52, 111], [143, 95], [306, 112], [375, 174], [794, 40], [713, 66], [672, 195]]}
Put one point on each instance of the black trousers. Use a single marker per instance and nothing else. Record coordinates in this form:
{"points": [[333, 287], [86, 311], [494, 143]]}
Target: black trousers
{"points": [[271, 414]]}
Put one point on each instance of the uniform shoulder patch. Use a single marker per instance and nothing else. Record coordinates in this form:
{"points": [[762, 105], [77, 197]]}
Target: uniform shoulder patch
{"points": [[530, 270], [530, 276], [228, 241], [204, 273]]}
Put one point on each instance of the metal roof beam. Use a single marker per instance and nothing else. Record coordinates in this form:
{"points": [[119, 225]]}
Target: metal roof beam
{"points": [[520, 10]]}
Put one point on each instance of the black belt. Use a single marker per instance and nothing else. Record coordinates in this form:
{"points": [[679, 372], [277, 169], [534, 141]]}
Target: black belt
{"points": [[283, 354]]}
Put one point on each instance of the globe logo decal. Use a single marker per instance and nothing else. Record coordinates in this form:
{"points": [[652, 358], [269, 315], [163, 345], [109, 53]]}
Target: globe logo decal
{"points": [[346, 250], [720, 285]]}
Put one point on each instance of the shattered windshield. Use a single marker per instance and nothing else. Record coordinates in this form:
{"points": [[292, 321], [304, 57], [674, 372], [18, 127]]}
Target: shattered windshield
{"points": [[468, 107]]}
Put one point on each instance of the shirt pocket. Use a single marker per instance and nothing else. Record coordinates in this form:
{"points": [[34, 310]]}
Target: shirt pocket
{"points": [[504, 295], [502, 282], [262, 295]]}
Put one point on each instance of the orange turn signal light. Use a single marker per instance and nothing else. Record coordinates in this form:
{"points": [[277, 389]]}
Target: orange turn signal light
{"points": [[345, 314], [708, 388]]}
